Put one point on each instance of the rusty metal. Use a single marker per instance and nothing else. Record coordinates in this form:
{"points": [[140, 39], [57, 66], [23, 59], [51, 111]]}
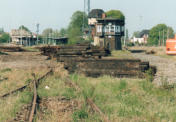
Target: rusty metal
{"points": [[25, 86], [34, 102], [88, 100]]}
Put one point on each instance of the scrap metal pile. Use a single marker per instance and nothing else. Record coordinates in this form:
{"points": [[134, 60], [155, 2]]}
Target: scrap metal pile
{"points": [[93, 61]]}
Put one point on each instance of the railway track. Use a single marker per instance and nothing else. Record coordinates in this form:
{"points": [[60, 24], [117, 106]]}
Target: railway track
{"points": [[33, 105], [88, 100], [25, 86], [29, 109]]}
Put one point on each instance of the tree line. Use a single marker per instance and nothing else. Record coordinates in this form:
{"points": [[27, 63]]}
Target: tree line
{"points": [[157, 35]]}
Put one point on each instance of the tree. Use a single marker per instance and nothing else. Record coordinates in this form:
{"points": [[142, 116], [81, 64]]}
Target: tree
{"points": [[47, 32], [1, 30], [136, 34], [75, 29], [117, 14], [63, 32], [24, 28], [4, 38], [159, 33]]}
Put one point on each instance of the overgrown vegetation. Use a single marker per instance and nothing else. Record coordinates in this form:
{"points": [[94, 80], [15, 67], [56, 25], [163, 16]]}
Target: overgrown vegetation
{"points": [[117, 14], [119, 99]]}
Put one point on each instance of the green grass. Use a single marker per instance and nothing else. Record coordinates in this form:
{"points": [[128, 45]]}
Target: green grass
{"points": [[13, 104], [129, 99], [123, 54], [119, 99], [31, 49]]}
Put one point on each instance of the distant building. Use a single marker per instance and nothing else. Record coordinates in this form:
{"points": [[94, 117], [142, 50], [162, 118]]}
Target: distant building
{"points": [[106, 32], [58, 40], [141, 38], [23, 37]]}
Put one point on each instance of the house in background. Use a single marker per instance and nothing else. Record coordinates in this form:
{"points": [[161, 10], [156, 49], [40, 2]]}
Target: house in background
{"points": [[106, 32], [23, 37], [141, 38]]}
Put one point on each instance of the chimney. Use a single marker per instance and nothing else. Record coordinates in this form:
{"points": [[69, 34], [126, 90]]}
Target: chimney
{"points": [[103, 15]]}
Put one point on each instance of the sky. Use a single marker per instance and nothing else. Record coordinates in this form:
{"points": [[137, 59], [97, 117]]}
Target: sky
{"points": [[56, 14]]}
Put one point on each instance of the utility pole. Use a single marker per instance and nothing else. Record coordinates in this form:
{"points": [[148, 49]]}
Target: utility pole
{"points": [[86, 11], [159, 40], [21, 35], [163, 37], [37, 31]]}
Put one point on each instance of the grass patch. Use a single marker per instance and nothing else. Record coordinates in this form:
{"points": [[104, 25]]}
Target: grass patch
{"points": [[123, 54], [31, 49], [11, 105], [128, 99], [6, 70]]}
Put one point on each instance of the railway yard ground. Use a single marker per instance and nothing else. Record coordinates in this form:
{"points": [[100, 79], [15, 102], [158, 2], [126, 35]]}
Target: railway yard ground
{"points": [[65, 97]]}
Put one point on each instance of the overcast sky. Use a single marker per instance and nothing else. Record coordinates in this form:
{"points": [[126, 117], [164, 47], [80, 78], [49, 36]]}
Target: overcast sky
{"points": [[140, 14]]}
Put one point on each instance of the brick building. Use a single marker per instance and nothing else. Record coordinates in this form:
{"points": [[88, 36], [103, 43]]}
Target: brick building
{"points": [[106, 32]]}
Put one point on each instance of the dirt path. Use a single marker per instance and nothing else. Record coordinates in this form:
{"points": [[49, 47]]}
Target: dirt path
{"points": [[165, 67]]}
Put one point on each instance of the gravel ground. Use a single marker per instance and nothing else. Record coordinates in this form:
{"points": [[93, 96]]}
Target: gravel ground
{"points": [[165, 67]]}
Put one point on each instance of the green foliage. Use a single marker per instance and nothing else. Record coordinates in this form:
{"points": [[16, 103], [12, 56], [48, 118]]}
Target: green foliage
{"points": [[69, 93], [26, 97], [80, 114], [136, 34], [149, 75], [24, 28], [115, 14], [1, 30], [46, 32], [6, 70], [63, 32], [158, 33], [4, 38], [76, 27]]}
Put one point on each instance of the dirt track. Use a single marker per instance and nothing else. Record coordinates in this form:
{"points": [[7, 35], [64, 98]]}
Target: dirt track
{"points": [[165, 67]]}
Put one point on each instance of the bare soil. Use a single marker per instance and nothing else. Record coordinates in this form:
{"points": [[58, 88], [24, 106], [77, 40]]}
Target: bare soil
{"points": [[24, 60], [60, 107]]}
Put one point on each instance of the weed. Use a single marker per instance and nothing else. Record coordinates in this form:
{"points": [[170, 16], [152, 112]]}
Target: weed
{"points": [[69, 93], [6, 70], [26, 97], [149, 75], [79, 115]]}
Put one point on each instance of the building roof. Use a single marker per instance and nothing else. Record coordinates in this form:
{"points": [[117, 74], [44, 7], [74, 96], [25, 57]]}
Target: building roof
{"points": [[96, 13], [17, 32], [143, 32]]}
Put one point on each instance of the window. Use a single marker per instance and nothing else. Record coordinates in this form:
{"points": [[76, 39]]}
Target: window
{"points": [[107, 28], [118, 29], [99, 28], [112, 28]]}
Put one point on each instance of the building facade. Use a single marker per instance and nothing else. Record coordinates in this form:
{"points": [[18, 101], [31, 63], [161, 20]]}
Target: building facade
{"points": [[23, 37], [106, 32]]}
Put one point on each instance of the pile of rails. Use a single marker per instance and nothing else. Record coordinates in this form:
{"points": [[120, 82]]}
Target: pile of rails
{"points": [[92, 61], [11, 49]]}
